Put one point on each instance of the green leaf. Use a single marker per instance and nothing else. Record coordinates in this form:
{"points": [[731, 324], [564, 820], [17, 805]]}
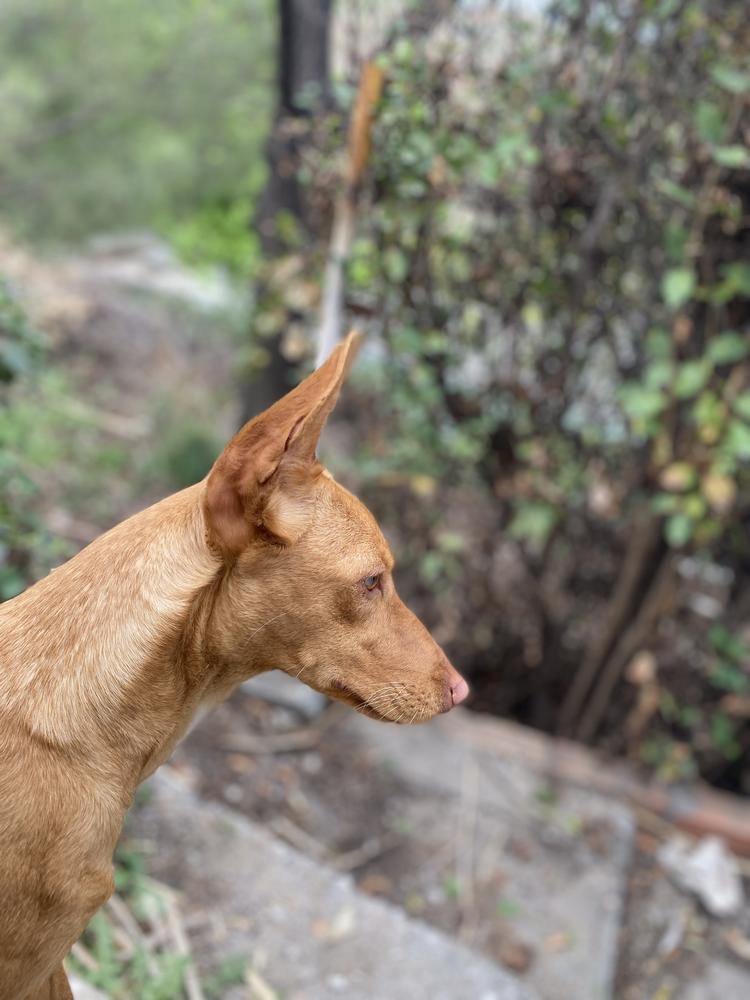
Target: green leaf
{"points": [[678, 476], [666, 9], [708, 410], [694, 506], [658, 373], [723, 735], [735, 281], [737, 439], [730, 645], [682, 195], [676, 237], [710, 122], [533, 521], [508, 908], [738, 273], [733, 157], [403, 51], [641, 402], [691, 377], [677, 286], [719, 489], [741, 405], [728, 677], [14, 360], [533, 316], [658, 343], [665, 503], [727, 348], [731, 78], [396, 265], [678, 530]]}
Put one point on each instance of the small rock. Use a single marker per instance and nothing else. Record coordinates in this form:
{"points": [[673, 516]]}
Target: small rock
{"points": [[675, 932], [233, 793], [240, 763], [312, 763], [515, 954], [338, 983], [376, 885], [642, 668], [598, 835], [279, 689], [341, 926], [559, 942], [708, 869]]}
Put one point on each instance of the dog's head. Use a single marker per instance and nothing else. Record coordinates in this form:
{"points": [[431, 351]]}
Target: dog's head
{"points": [[308, 586]]}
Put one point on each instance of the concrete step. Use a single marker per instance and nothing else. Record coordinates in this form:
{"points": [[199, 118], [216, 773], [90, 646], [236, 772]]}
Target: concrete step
{"points": [[466, 839], [307, 929], [558, 857]]}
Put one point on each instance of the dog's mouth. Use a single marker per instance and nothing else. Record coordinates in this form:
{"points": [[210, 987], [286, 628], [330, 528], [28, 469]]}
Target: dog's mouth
{"points": [[340, 692]]}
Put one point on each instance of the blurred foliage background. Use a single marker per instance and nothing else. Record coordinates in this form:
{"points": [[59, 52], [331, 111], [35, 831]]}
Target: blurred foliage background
{"points": [[124, 115], [551, 264]]}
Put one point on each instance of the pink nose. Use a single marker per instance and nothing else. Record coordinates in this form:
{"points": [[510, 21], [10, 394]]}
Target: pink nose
{"points": [[459, 691]]}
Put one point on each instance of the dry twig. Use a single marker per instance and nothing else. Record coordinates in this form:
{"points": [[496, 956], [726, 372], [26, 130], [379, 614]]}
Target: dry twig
{"points": [[260, 989], [182, 947], [289, 742]]}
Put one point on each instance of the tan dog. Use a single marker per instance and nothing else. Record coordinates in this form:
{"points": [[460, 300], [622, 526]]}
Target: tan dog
{"points": [[268, 563]]}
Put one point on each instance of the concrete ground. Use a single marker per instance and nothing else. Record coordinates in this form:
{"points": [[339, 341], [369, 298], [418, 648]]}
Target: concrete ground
{"points": [[526, 886]]}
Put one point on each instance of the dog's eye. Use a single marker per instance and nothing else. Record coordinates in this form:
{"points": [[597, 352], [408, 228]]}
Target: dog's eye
{"points": [[371, 582]]}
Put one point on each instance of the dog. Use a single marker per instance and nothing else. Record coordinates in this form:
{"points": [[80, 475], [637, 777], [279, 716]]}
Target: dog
{"points": [[267, 563]]}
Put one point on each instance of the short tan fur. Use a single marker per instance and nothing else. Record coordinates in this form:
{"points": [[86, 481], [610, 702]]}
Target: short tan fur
{"points": [[266, 564]]}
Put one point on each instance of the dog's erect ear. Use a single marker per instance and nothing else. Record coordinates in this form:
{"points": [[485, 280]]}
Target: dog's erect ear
{"points": [[262, 478]]}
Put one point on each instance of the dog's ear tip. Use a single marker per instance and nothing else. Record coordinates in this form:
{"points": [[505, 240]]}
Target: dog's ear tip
{"points": [[344, 353], [353, 341]]}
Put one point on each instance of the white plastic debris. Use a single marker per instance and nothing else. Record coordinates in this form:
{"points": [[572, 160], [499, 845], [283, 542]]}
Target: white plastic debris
{"points": [[708, 869]]}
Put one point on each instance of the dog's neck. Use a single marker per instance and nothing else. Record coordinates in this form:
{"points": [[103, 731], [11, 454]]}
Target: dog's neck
{"points": [[117, 668]]}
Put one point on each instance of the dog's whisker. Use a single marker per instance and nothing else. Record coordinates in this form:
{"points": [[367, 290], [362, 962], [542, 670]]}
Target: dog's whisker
{"points": [[383, 697], [383, 705], [266, 624], [383, 701], [379, 695]]}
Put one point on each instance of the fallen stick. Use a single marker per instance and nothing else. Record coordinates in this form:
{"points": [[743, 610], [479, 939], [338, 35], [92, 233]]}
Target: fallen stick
{"points": [[289, 742], [345, 209], [121, 915], [366, 852], [260, 988], [299, 838], [84, 957], [182, 947]]}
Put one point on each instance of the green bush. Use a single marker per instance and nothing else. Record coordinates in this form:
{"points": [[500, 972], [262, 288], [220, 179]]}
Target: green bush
{"points": [[26, 549], [552, 259], [159, 118]]}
